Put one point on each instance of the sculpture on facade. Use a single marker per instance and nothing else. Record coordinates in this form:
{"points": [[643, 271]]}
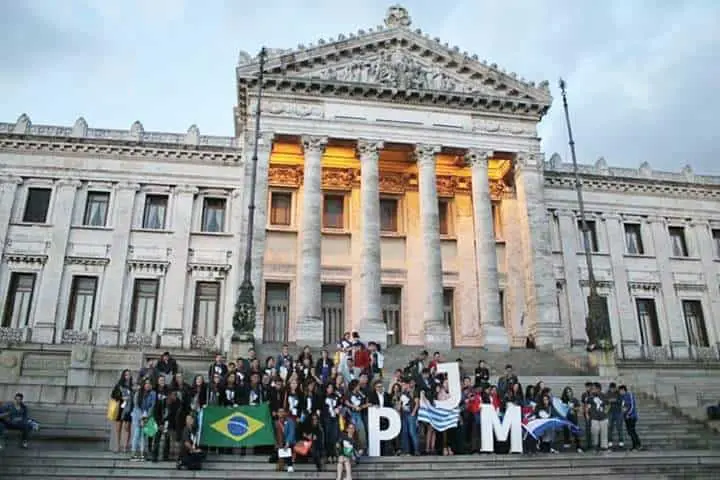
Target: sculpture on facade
{"points": [[397, 16]]}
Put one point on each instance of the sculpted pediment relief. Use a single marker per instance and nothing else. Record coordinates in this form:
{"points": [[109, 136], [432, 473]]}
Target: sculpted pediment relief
{"points": [[399, 69]]}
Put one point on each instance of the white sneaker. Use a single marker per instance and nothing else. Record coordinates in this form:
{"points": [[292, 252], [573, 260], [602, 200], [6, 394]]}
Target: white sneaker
{"points": [[580, 450], [621, 444], [609, 444], [290, 469]]}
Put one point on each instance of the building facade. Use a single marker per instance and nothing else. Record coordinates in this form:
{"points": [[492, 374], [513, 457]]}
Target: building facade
{"points": [[401, 191]]}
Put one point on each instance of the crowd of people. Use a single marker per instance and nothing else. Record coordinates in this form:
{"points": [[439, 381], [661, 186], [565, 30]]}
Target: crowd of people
{"points": [[321, 401]]}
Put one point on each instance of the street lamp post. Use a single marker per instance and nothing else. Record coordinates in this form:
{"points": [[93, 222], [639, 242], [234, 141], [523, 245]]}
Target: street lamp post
{"points": [[597, 322], [245, 308]]}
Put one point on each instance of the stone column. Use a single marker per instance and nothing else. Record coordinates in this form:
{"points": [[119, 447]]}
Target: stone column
{"points": [[625, 328], [371, 320], [173, 300], [705, 249], [8, 190], [540, 290], [492, 331], [116, 271], [43, 330], [309, 324], [674, 319], [260, 226], [577, 303], [437, 332]]}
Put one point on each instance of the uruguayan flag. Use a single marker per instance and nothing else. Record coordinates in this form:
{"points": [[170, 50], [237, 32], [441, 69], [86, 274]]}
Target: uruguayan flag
{"points": [[561, 408], [538, 427], [440, 419]]}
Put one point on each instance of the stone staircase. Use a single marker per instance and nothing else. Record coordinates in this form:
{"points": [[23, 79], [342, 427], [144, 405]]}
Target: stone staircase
{"points": [[86, 461]]}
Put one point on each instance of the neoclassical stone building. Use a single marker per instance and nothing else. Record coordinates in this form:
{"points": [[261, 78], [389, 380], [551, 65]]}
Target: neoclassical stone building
{"points": [[401, 191]]}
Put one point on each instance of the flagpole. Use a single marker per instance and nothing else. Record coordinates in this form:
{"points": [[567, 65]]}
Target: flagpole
{"points": [[200, 423]]}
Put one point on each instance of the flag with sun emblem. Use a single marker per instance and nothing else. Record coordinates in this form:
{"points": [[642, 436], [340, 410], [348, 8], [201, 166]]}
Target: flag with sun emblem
{"points": [[247, 426]]}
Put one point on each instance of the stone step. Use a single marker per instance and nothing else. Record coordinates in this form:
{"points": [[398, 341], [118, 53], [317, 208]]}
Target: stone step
{"points": [[99, 465]]}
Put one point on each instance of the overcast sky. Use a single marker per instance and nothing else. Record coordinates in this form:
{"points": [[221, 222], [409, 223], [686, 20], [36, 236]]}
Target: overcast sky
{"points": [[642, 74]]}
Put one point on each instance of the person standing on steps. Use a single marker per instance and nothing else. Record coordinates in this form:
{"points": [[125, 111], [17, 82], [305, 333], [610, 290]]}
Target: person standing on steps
{"points": [[597, 412], [615, 420], [630, 413]]}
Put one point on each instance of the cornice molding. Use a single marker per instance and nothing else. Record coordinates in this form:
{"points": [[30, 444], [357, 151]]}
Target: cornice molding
{"points": [[114, 148], [285, 176], [25, 259], [149, 266], [87, 261], [208, 267]]}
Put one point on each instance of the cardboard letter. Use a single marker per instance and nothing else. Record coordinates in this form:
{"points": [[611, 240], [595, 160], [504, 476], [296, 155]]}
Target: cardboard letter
{"points": [[375, 435], [491, 427], [452, 369]]}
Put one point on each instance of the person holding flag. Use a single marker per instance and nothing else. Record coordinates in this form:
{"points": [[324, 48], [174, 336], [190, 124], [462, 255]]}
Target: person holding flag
{"points": [[568, 407]]}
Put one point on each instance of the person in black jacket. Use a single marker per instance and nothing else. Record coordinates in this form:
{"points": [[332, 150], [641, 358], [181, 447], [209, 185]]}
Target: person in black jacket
{"points": [[378, 397], [123, 394], [311, 430], [161, 440], [167, 367]]}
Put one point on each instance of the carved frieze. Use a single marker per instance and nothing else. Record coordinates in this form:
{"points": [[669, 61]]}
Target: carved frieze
{"points": [[292, 109], [396, 182], [446, 185], [338, 178], [285, 176]]}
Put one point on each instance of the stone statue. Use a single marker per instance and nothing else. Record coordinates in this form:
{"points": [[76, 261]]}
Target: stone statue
{"points": [[397, 16]]}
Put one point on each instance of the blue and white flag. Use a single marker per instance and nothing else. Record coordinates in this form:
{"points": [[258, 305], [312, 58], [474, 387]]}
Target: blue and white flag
{"points": [[561, 408], [540, 426], [440, 419]]}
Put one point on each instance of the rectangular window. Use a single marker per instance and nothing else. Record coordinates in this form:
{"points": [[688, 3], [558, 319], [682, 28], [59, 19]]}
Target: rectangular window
{"points": [[448, 304], [444, 216], [280, 208], [333, 210], [37, 205], [716, 241], [277, 312], [497, 221], [695, 323], [501, 293], [213, 215], [633, 239], [154, 212], [392, 313], [677, 239], [207, 306], [19, 300], [144, 306], [82, 303], [332, 298], [96, 209], [591, 233], [648, 322], [388, 215]]}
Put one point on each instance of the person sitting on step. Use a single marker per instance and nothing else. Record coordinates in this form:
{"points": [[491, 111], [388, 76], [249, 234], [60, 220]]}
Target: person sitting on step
{"points": [[14, 416]]}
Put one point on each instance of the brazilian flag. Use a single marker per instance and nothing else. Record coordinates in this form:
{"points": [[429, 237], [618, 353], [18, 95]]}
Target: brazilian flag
{"points": [[247, 426]]}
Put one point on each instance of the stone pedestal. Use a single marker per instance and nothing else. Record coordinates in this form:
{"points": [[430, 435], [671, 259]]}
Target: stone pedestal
{"points": [[604, 362], [240, 348], [80, 373]]}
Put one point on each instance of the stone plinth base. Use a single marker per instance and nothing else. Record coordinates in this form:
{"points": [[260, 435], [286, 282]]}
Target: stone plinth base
{"points": [[495, 338], [604, 362], [240, 348]]}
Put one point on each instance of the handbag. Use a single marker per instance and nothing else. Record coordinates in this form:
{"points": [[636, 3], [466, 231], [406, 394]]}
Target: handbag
{"points": [[113, 409], [150, 429], [302, 448]]}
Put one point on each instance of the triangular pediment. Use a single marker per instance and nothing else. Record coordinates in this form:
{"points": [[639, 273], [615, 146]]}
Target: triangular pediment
{"points": [[394, 56]]}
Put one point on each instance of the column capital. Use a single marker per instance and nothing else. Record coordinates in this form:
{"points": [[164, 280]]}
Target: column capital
{"points": [[68, 182], [425, 153], [699, 223], [528, 160], [10, 179], [657, 219], [478, 156], [314, 144], [265, 141], [611, 216], [566, 213], [368, 149]]}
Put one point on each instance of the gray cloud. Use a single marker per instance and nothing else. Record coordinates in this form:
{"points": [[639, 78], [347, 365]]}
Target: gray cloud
{"points": [[641, 73]]}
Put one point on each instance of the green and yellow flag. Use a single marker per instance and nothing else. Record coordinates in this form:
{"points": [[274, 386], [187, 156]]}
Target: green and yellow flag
{"points": [[248, 426]]}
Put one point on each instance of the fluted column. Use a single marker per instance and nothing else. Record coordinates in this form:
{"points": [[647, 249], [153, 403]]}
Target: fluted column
{"points": [[260, 224], [43, 330], [540, 295], [437, 332], [309, 324], [372, 325], [493, 332]]}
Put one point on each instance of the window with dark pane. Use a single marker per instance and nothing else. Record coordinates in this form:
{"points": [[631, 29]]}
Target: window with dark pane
{"points": [[37, 205]]}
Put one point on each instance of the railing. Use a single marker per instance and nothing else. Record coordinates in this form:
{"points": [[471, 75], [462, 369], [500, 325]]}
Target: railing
{"points": [[391, 316], [14, 336], [333, 317], [650, 353], [276, 322]]}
